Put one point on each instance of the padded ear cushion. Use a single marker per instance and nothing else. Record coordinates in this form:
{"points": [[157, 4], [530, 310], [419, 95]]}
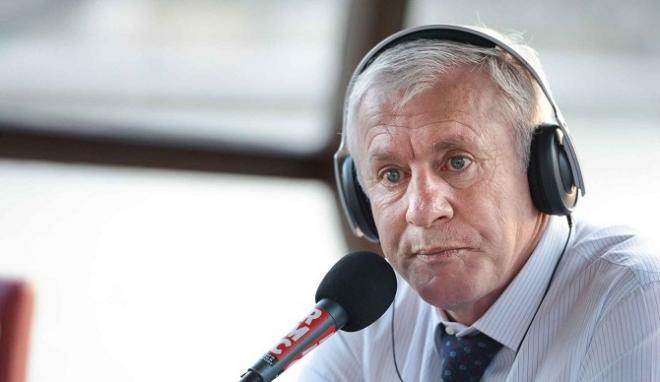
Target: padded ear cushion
{"points": [[357, 204], [551, 182]]}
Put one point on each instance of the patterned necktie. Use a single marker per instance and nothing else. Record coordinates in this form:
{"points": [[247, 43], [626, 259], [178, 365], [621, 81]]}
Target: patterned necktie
{"points": [[465, 358]]}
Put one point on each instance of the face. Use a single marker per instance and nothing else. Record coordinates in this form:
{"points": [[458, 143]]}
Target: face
{"points": [[449, 196]]}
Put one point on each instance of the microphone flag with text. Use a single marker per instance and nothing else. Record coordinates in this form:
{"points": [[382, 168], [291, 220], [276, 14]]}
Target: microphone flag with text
{"points": [[354, 293]]}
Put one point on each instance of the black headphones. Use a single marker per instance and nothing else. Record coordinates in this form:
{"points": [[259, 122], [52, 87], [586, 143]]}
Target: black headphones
{"points": [[554, 172]]}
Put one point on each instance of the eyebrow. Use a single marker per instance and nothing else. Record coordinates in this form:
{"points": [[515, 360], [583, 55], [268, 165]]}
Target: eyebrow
{"points": [[381, 156], [443, 145], [452, 143]]}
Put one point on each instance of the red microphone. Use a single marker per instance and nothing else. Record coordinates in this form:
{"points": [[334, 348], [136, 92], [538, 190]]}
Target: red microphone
{"points": [[354, 293]]}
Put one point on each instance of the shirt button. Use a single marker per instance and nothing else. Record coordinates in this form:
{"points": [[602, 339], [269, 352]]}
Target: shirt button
{"points": [[450, 331]]}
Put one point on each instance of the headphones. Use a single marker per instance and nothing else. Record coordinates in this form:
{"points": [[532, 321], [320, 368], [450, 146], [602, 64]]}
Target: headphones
{"points": [[554, 173]]}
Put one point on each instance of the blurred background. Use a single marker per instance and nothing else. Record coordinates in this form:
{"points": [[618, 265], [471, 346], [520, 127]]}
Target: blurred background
{"points": [[166, 165]]}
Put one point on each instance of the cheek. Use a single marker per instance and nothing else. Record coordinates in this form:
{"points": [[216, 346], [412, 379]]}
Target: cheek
{"points": [[390, 224], [494, 208], [482, 210], [481, 200], [511, 196]]}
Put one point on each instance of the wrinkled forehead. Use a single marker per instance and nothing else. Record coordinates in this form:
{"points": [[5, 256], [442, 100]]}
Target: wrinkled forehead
{"points": [[465, 96]]}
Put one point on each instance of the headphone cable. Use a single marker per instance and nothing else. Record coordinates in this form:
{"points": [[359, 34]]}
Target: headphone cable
{"points": [[396, 367], [569, 218]]}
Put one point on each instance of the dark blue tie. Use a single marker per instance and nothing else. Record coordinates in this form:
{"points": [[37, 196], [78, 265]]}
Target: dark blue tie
{"points": [[465, 358]]}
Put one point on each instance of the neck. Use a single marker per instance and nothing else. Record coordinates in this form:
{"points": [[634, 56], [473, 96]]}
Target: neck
{"points": [[469, 313]]}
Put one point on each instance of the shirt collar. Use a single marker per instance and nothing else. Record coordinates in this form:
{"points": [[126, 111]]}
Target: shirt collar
{"points": [[508, 318]]}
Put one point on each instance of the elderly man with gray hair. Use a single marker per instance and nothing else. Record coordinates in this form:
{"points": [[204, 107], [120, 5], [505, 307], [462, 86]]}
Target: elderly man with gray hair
{"points": [[457, 160]]}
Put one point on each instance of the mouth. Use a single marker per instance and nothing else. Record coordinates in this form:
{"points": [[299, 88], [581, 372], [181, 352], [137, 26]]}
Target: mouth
{"points": [[440, 253]]}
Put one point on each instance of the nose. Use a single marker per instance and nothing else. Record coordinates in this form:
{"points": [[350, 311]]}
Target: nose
{"points": [[428, 200]]}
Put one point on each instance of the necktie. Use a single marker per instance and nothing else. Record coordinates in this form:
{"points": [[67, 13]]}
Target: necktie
{"points": [[465, 358]]}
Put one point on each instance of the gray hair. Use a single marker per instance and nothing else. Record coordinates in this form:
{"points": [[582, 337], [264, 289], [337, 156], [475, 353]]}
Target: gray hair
{"points": [[413, 67]]}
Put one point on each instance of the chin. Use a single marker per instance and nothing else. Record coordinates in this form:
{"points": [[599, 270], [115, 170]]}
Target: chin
{"points": [[445, 300], [446, 294], [453, 281], [439, 293]]}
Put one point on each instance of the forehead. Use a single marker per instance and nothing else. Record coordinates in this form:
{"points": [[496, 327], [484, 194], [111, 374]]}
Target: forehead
{"points": [[461, 107]]}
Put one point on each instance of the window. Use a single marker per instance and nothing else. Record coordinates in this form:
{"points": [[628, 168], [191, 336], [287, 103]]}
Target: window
{"points": [[198, 73]]}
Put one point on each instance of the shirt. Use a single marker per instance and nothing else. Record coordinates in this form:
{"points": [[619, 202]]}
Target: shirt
{"points": [[599, 321]]}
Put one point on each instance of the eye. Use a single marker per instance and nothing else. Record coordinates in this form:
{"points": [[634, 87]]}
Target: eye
{"points": [[392, 175], [458, 162]]}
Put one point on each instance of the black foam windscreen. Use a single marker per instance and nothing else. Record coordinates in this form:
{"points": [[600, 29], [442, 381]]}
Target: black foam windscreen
{"points": [[364, 284]]}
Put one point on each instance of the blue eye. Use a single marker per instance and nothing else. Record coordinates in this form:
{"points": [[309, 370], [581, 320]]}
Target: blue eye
{"points": [[459, 162], [392, 175]]}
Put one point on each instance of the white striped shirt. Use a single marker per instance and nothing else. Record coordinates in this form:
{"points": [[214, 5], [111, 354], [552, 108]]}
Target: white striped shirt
{"points": [[600, 320]]}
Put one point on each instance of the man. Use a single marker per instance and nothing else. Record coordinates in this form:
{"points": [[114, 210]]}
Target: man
{"points": [[442, 132]]}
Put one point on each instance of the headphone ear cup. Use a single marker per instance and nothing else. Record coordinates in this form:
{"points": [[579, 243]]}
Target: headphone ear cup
{"points": [[357, 205], [551, 182]]}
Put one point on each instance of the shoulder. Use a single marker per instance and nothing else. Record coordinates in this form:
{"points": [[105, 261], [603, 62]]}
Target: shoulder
{"points": [[617, 250], [623, 269], [608, 266]]}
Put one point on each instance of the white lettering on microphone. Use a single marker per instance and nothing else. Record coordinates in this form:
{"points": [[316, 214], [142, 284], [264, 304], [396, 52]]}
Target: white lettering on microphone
{"points": [[316, 313], [297, 333]]}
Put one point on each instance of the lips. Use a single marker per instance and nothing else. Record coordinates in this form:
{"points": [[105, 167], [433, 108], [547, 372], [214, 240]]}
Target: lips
{"points": [[440, 252]]}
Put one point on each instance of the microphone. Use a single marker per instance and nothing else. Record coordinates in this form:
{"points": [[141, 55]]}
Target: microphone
{"points": [[355, 292]]}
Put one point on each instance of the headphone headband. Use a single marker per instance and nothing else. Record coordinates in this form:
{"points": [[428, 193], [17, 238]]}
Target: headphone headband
{"points": [[460, 34]]}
